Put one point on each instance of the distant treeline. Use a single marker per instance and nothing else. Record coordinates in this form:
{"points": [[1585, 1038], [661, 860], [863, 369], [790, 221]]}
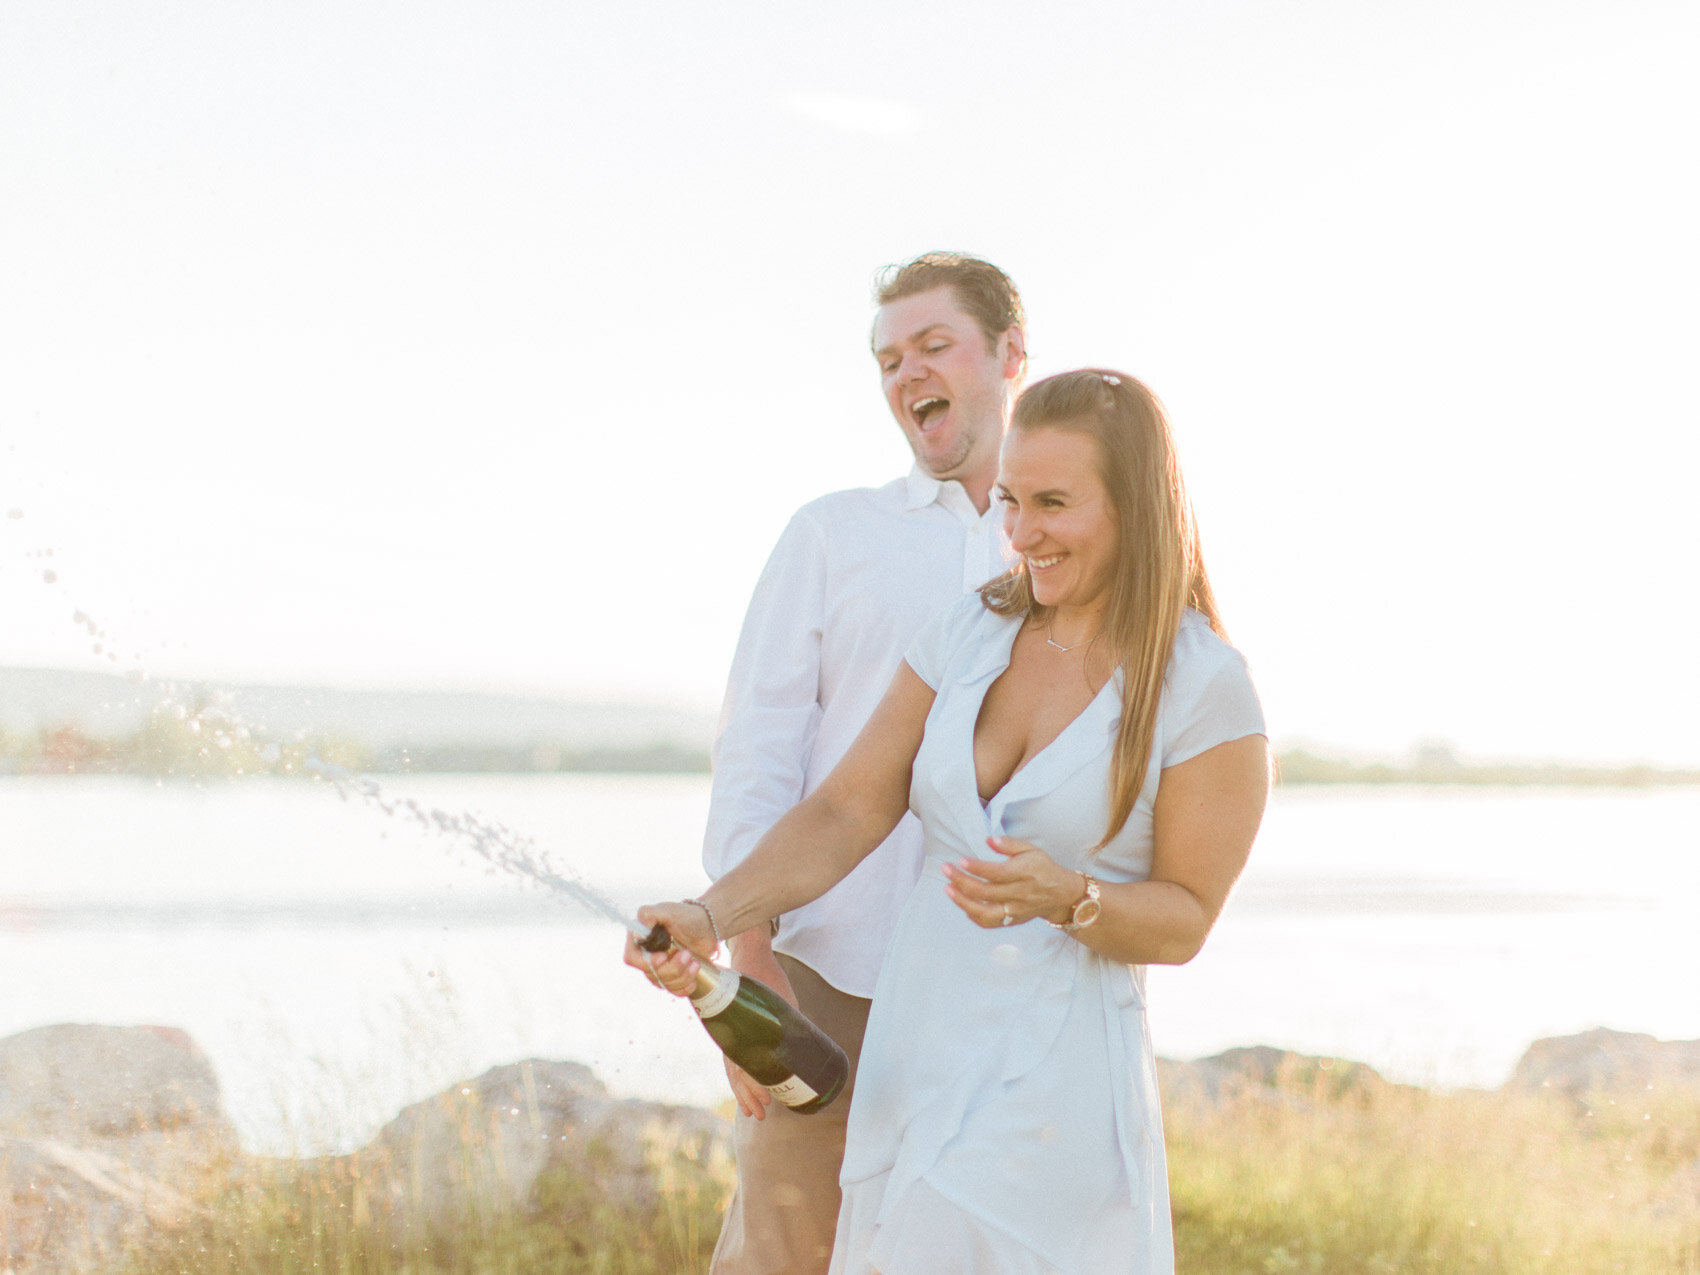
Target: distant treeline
{"points": [[1440, 767], [204, 743]]}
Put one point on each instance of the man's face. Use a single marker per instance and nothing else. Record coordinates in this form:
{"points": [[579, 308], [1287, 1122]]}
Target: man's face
{"points": [[950, 394]]}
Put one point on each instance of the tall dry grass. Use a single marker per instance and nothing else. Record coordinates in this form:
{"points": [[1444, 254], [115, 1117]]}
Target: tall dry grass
{"points": [[1403, 1180], [1294, 1178], [336, 1217]]}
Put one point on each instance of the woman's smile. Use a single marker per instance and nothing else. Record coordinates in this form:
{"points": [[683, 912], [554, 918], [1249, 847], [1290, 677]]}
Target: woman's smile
{"points": [[1058, 516]]}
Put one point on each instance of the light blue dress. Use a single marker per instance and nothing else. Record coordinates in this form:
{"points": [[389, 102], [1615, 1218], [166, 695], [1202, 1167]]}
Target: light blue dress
{"points": [[1005, 1120]]}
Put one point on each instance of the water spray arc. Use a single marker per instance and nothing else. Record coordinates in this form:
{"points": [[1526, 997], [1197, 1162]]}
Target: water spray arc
{"points": [[752, 1024], [502, 848], [497, 845]]}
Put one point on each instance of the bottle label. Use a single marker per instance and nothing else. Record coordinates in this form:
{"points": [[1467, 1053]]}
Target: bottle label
{"points": [[718, 997], [793, 1092]]}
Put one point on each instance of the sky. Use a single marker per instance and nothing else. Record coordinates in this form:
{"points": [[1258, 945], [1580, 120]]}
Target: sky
{"points": [[491, 346]]}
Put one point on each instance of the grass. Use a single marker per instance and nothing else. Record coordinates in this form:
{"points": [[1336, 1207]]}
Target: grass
{"points": [[1399, 1180], [1296, 1179], [328, 1218]]}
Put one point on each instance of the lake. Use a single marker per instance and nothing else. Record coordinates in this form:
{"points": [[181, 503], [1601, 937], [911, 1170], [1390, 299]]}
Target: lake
{"points": [[336, 963]]}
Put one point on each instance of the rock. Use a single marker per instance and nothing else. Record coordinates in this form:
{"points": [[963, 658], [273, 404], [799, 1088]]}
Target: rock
{"points": [[1263, 1072], [75, 1082], [1602, 1061], [94, 1122], [485, 1144], [69, 1208]]}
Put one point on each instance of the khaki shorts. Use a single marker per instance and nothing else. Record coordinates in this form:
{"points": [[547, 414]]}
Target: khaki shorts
{"points": [[783, 1214]]}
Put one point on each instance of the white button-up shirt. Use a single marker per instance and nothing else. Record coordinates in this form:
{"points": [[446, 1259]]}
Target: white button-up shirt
{"points": [[851, 582]]}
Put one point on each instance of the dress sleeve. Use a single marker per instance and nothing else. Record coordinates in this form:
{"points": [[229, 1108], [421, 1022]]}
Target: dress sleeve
{"points": [[772, 710], [929, 654], [1211, 699]]}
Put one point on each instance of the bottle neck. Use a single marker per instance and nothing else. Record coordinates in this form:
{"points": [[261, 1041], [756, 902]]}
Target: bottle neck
{"points": [[715, 989]]}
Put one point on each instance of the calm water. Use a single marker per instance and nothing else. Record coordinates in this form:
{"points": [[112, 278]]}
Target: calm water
{"points": [[336, 964]]}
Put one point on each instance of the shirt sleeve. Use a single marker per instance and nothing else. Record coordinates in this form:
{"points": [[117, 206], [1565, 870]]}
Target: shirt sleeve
{"points": [[772, 711], [929, 653], [1212, 699]]}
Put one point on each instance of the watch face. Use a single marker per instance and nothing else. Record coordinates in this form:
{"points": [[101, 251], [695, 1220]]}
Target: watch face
{"points": [[1086, 911]]}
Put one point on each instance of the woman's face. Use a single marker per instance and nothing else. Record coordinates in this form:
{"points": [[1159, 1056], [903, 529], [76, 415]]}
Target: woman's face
{"points": [[1058, 515]]}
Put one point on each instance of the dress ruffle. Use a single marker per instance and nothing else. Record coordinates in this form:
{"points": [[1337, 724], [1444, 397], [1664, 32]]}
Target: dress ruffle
{"points": [[919, 1232], [1024, 978]]}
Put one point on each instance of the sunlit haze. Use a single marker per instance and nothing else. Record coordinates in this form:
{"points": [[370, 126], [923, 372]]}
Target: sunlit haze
{"points": [[491, 345]]}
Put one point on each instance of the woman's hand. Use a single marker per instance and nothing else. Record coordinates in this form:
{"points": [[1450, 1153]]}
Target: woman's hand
{"points": [[675, 970], [1024, 884]]}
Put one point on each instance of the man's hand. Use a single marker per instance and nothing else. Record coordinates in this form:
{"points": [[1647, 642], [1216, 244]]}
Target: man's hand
{"points": [[752, 954]]}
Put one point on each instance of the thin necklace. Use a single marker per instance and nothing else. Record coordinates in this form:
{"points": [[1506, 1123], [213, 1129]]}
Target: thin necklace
{"points": [[1050, 641]]}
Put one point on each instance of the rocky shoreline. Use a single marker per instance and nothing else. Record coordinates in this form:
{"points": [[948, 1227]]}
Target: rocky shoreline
{"points": [[112, 1135]]}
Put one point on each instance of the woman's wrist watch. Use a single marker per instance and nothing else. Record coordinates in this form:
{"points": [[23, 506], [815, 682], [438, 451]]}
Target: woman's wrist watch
{"points": [[1085, 912]]}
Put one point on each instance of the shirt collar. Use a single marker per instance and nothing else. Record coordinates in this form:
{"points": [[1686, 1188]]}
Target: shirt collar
{"points": [[922, 489]]}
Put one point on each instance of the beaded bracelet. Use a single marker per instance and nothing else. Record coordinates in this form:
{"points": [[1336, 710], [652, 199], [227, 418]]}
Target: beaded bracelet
{"points": [[709, 912]]}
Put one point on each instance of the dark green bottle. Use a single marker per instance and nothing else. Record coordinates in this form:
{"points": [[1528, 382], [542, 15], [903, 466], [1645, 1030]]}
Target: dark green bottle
{"points": [[764, 1033]]}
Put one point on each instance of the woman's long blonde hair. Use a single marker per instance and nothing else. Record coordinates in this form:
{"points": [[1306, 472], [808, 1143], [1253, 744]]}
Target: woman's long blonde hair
{"points": [[1159, 570]]}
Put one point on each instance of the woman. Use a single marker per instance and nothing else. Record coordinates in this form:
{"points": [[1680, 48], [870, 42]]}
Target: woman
{"points": [[1083, 718]]}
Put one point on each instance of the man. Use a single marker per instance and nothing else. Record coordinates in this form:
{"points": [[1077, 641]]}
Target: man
{"points": [[852, 580]]}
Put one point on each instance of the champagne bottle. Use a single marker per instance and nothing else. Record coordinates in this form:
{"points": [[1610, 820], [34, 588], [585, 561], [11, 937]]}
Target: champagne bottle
{"points": [[764, 1033]]}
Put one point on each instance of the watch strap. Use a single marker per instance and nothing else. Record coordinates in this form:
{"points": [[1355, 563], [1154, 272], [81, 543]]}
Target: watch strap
{"points": [[1074, 922]]}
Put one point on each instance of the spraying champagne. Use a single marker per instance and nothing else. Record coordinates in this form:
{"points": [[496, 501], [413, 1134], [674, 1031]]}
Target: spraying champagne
{"points": [[763, 1033]]}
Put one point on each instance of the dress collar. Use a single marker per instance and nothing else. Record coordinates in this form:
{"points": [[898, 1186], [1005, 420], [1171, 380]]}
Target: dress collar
{"points": [[1082, 739], [992, 656], [1088, 735]]}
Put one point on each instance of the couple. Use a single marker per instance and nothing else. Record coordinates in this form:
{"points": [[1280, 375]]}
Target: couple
{"points": [[1085, 754]]}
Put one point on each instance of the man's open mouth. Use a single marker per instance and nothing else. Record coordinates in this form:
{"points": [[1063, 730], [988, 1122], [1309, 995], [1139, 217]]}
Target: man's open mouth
{"points": [[923, 408]]}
